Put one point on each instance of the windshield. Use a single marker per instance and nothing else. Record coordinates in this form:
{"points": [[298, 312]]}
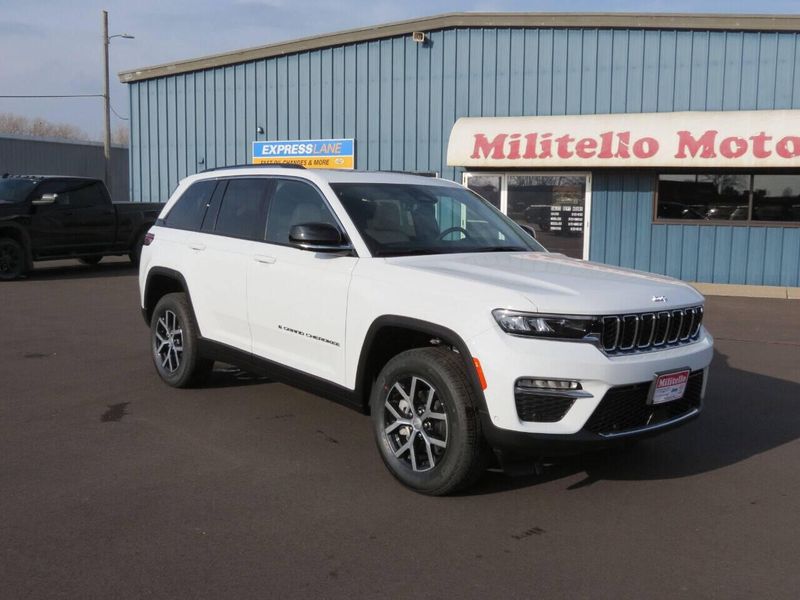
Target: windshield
{"points": [[15, 190], [406, 219]]}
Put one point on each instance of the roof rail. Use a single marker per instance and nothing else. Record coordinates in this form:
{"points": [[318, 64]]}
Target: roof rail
{"points": [[256, 165], [433, 174]]}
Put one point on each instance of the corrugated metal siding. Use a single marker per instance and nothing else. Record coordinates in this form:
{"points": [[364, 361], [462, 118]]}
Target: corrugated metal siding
{"points": [[399, 100], [623, 234], [33, 156]]}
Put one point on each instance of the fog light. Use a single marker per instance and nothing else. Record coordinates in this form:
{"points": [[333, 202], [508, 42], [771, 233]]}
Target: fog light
{"points": [[550, 384]]}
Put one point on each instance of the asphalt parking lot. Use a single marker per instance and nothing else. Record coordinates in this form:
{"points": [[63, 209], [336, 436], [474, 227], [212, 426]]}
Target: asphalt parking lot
{"points": [[113, 485]]}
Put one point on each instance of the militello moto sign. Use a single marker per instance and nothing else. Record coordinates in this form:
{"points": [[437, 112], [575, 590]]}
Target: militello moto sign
{"points": [[319, 154], [684, 139]]}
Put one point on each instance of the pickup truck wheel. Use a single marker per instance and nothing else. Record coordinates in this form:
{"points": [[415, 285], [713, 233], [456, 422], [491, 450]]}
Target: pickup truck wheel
{"points": [[174, 342], [90, 260], [12, 259], [426, 422], [136, 251]]}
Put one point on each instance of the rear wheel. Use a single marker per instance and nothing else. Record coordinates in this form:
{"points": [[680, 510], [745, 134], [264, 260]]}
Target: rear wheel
{"points": [[13, 262], [90, 260], [174, 343], [426, 422]]}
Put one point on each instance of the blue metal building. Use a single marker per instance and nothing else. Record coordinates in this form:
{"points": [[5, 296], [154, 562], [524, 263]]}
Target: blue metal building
{"points": [[399, 99]]}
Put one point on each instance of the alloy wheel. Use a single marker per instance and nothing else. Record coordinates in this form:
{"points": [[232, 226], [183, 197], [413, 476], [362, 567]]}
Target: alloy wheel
{"points": [[415, 423], [168, 341]]}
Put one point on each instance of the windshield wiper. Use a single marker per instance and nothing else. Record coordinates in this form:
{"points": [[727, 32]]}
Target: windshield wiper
{"points": [[500, 249], [414, 252]]}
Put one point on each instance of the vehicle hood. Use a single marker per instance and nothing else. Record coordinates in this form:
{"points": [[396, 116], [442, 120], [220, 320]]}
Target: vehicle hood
{"points": [[558, 284]]}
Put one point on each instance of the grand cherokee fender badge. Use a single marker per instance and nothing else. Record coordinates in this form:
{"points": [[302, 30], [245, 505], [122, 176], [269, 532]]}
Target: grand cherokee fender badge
{"points": [[660, 299], [308, 335]]}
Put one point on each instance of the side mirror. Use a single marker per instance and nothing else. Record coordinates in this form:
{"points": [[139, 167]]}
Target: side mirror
{"points": [[318, 237], [45, 199], [528, 229]]}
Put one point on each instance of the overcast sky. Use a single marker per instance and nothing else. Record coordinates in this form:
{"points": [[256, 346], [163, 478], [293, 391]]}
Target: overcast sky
{"points": [[54, 46]]}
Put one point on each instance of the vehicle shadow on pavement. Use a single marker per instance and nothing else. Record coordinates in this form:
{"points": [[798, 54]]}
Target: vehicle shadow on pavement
{"points": [[76, 271], [228, 376], [744, 414]]}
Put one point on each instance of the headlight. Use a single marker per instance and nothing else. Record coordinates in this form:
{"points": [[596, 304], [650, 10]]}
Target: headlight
{"points": [[556, 327]]}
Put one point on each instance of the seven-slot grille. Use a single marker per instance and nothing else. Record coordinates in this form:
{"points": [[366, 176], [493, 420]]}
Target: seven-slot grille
{"points": [[650, 331]]}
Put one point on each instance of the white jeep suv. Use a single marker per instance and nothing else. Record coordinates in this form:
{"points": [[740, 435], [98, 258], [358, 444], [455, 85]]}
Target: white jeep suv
{"points": [[415, 300]]}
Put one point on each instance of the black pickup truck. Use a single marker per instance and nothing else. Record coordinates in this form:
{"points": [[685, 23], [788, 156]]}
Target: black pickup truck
{"points": [[45, 218]]}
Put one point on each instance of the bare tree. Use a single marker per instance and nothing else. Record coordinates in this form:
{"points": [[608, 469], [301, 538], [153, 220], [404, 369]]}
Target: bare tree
{"points": [[121, 135], [38, 127]]}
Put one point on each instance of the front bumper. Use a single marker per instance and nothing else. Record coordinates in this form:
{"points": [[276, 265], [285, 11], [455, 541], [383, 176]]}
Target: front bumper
{"points": [[505, 359]]}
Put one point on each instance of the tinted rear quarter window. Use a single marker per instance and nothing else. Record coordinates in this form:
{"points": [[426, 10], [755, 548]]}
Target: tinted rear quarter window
{"points": [[242, 213], [190, 208]]}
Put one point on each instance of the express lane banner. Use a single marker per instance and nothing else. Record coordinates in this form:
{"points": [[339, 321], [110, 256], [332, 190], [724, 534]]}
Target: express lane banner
{"points": [[735, 139], [312, 154]]}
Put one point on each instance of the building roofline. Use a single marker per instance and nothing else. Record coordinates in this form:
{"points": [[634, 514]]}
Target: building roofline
{"points": [[56, 140], [707, 21]]}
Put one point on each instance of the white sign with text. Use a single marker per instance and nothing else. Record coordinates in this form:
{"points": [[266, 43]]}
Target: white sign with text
{"points": [[732, 139]]}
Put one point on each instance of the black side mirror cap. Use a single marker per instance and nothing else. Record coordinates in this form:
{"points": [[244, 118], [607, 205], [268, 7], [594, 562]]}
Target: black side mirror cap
{"points": [[528, 229], [318, 237]]}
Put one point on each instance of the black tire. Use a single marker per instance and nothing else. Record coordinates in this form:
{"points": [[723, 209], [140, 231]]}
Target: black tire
{"points": [[136, 251], [460, 463], [13, 262], [90, 260], [178, 363]]}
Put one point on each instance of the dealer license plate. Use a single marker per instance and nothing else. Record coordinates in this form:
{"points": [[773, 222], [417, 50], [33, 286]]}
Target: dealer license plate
{"points": [[669, 386]]}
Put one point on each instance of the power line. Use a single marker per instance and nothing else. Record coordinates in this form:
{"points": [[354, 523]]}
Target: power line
{"points": [[52, 96], [119, 116]]}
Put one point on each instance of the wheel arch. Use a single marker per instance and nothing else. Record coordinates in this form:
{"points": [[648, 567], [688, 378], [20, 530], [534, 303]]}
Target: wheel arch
{"points": [[388, 335], [160, 282]]}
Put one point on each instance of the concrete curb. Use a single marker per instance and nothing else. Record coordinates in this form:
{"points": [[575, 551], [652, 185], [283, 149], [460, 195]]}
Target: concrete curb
{"points": [[747, 291]]}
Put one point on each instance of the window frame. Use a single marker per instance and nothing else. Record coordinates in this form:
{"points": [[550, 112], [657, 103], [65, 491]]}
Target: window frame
{"points": [[749, 222], [209, 224]]}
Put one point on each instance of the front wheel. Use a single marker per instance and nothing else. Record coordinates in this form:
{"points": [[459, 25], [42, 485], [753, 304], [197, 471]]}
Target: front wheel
{"points": [[174, 343], [13, 261], [426, 423]]}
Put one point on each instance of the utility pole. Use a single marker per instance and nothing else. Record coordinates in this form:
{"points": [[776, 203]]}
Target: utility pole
{"points": [[106, 105], [107, 99]]}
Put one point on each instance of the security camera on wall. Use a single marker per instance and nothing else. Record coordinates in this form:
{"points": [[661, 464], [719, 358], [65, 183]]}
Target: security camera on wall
{"points": [[419, 37]]}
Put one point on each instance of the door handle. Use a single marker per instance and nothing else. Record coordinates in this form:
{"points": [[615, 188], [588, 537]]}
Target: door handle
{"points": [[197, 247], [267, 260]]}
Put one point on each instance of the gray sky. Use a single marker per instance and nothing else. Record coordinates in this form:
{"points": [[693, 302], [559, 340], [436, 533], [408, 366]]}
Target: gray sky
{"points": [[54, 46]]}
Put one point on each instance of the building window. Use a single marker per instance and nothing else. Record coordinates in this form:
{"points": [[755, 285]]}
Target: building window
{"points": [[739, 197]]}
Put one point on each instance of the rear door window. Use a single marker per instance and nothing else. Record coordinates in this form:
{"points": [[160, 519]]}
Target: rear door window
{"points": [[190, 209], [86, 194], [243, 210]]}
